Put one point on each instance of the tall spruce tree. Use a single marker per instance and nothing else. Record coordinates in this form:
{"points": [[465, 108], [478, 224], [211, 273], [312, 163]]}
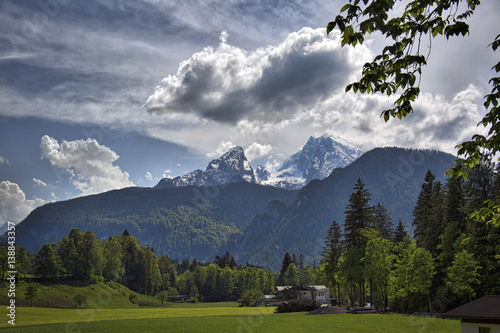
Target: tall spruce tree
{"points": [[435, 225], [331, 253], [455, 222], [423, 207], [382, 222], [358, 214], [287, 260], [400, 233]]}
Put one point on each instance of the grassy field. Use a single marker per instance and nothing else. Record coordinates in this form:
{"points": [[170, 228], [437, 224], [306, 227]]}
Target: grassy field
{"points": [[109, 309], [216, 317], [60, 295]]}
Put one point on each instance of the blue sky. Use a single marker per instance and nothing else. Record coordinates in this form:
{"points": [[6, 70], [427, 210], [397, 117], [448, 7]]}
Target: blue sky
{"points": [[103, 94]]}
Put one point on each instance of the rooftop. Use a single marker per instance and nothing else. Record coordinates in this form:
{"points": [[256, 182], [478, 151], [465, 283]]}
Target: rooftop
{"points": [[487, 307]]}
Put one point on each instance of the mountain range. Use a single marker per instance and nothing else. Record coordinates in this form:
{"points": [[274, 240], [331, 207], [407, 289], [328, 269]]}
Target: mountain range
{"points": [[227, 208], [393, 176], [315, 160]]}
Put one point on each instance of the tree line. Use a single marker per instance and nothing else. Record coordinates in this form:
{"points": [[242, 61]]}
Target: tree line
{"points": [[82, 256], [452, 258]]}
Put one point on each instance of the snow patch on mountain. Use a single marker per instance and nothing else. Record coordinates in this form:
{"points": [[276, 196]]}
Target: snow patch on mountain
{"points": [[232, 167], [316, 160]]}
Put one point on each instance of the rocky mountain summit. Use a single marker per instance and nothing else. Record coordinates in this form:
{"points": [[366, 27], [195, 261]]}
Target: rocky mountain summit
{"points": [[316, 160], [232, 167]]}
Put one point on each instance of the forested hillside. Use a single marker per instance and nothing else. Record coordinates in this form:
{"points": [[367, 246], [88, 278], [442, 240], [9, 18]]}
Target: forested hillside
{"points": [[188, 222], [393, 176], [200, 222]]}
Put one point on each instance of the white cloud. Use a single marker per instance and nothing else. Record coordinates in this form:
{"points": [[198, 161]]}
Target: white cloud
{"points": [[3, 160], [224, 147], [229, 84], [14, 206], [90, 164], [149, 176], [166, 174], [257, 150], [39, 183]]}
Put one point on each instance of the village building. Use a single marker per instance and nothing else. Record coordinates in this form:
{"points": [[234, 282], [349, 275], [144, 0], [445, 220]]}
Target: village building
{"points": [[479, 316], [319, 294]]}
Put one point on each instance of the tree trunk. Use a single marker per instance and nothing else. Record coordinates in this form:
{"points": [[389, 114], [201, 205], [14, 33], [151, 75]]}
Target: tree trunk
{"points": [[360, 285], [409, 302], [338, 289], [371, 292], [430, 304]]}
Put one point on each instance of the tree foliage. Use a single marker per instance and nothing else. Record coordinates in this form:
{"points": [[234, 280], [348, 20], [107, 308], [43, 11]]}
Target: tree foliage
{"points": [[463, 275], [398, 68], [32, 291]]}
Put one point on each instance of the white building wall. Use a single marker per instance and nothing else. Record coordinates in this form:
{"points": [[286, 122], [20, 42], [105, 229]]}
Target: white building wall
{"points": [[323, 296], [474, 328]]}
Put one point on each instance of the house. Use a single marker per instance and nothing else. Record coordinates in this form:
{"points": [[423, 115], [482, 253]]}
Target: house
{"points": [[299, 293], [479, 316]]}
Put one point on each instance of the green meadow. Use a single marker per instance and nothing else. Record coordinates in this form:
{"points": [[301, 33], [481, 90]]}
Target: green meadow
{"points": [[217, 317], [108, 309]]}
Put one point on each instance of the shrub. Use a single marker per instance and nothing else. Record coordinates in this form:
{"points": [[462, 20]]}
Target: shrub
{"points": [[132, 298], [253, 297], [80, 299], [297, 306]]}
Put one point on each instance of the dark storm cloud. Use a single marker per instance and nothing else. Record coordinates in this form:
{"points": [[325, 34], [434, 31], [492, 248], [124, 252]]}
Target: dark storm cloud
{"points": [[229, 84]]}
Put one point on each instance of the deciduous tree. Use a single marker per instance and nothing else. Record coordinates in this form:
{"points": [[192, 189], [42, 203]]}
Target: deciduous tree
{"points": [[400, 64]]}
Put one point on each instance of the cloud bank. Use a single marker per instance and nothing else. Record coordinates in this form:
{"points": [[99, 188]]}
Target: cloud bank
{"points": [[89, 164], [229, 84], [14, 206]]}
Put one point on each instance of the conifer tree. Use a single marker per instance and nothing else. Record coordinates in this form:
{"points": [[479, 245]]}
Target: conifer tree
{"points": [[331, 252], [358, 214], [400, 232], [455, 222], [382, 222], [423, 207], [287, 260], [435, 225]]}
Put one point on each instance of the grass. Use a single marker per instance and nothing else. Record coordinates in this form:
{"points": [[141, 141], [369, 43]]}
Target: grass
{"points": [[108, 309], [60, 295], [215, 317]]}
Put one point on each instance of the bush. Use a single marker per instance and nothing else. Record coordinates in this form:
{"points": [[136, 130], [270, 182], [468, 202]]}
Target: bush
{"points": [[297, 306], [253, 297], [80, 299], [132, 298], [146, 303]]}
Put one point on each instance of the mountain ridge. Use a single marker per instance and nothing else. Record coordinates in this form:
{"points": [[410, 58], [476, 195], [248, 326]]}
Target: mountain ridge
{"points": [[315, 160], [248, 220], [232, 167], [392, 175]]}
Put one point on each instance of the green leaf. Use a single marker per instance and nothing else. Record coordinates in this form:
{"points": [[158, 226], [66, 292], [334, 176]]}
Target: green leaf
{"points": [[345, 7], [330, 27]]}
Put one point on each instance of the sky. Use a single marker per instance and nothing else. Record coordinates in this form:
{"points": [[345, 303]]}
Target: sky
{"points": [[104, 94]]}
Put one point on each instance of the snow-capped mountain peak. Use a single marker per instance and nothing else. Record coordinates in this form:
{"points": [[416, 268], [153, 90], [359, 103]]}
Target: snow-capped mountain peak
{"points": [[316, 160], [231, 167]]}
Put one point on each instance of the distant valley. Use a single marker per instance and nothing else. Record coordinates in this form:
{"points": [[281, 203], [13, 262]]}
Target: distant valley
{"points": [[230, 207]]}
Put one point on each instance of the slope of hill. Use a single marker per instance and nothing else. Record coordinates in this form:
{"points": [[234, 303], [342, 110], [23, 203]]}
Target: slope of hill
{"points": [[186, 222], [249, 220], [392, 175]]}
